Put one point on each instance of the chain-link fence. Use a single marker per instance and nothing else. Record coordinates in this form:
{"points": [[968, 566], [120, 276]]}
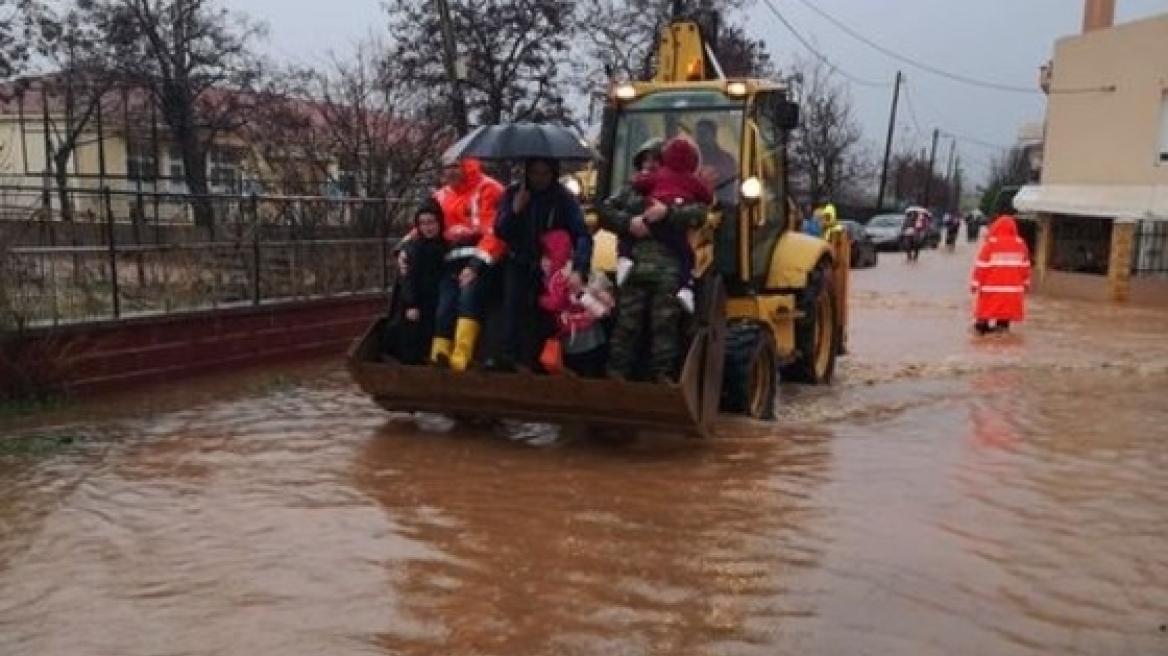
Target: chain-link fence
{"points": [[123, 260]]}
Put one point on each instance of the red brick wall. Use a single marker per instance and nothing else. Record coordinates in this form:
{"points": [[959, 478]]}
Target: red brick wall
{"points": [[88, 358]]}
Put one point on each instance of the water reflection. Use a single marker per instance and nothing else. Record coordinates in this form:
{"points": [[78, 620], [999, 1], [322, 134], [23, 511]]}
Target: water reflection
{"points": [[666, 549], [1064, 479], [949, 495]]}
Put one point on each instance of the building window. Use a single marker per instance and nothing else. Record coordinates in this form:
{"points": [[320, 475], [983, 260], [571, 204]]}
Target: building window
{"points": [[222, 167], [1163, 149], [141, 161], [175, 170]]}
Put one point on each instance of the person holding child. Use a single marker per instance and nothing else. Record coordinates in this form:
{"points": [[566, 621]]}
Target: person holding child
{"points": [[674, 182], [652, 283], [530, 209], [469, 202]]}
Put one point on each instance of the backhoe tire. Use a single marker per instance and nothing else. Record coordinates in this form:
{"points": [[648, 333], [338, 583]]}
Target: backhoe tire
{"points": [[818, 334], [750, 376]]}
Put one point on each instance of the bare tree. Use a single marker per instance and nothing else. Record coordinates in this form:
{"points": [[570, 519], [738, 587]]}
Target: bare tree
{"points": [[619, 39], [286, 138], [620, 36], [909, 173], [825, 148], [362, 128], [742, 56], [22, 24], [1010, 168], [195, 59], [74, 95], [514, 51]]}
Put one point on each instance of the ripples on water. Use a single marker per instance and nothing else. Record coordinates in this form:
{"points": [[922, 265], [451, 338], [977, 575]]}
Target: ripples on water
{"points": [[950, 495]]}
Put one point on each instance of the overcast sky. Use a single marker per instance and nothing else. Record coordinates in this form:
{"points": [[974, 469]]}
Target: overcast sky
{"points": [[998, 41]]}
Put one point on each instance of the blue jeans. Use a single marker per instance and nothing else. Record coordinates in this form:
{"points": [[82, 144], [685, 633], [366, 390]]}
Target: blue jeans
{"points": [[455, 302]]}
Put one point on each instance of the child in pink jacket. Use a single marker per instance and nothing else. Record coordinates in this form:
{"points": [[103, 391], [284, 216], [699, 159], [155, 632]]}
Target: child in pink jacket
{"points": [[575, 313]]}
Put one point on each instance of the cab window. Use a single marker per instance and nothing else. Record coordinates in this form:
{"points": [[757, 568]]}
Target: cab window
{"points": [[711, 119], [771, 152]]}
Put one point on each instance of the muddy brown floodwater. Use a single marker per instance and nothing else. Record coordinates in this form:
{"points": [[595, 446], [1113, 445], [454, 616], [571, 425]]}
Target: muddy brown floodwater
{"points": [[949, 495]]}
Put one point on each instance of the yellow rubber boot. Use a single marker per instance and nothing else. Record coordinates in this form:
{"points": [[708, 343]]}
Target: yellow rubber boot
{"points": [[440, 351], [466, 333]]}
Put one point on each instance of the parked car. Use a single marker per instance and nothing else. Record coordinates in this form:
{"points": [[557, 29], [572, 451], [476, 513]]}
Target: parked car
{"points": [[884, 231], [863, 250]]}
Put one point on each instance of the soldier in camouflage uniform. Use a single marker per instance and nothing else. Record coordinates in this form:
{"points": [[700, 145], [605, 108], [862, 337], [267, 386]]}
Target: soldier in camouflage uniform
{"points": [[653, 281]]}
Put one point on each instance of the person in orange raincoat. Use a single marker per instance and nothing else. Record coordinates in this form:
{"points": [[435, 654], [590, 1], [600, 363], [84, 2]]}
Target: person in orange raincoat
{"points": [[469, 201], [1001, 278]]}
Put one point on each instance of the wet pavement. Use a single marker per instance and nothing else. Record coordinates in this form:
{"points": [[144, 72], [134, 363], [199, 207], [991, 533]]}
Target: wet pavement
{"points": [[950, 494]]}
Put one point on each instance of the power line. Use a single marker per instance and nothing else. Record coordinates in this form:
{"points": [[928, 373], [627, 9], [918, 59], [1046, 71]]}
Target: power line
{"points": [[823, 58], [956, 135], [977, 142], [956, 77]]}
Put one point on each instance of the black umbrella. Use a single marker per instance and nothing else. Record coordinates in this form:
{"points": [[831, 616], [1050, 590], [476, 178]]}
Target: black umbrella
{"points": [[519, 141]]}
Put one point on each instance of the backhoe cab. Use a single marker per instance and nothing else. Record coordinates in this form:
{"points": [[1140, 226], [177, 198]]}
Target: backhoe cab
{"points": [[785, 291]]}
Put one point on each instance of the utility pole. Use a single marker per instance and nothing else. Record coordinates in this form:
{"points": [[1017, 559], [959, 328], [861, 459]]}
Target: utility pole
{"points": [[957, 184], [949, 173], [929, 173], [47, 193], [450, 59], [888, 142]]}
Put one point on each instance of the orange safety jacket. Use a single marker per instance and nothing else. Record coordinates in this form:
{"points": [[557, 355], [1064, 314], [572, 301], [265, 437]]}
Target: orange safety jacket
{"points": [[1001, 274], [468, 214], [469, 210]]}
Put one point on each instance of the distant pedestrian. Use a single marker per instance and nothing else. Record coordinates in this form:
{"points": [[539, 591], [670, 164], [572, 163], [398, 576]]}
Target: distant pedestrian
{"points": [[972, 227], [1001, 278], [914, 232], [952, 227]]}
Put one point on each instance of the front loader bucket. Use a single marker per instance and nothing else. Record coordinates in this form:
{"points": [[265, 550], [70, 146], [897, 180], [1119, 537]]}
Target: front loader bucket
{"points": [[563, 399]]}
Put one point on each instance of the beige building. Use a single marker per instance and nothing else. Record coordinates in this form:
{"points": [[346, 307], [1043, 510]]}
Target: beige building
{"points": [[126, 152], [129, 151], [1102, 203]]}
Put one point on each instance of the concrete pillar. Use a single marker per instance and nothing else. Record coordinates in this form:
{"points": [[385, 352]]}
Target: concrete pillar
{"points": [[1041, 254], [1119, 264], [1098, 14]]}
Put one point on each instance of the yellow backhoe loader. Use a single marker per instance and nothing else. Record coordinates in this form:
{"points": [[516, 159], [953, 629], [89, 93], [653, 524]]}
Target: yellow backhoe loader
{"points": [[772, 301]]}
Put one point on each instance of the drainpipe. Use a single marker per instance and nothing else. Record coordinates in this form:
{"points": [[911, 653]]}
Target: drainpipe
{"points": [[1098, 15]]}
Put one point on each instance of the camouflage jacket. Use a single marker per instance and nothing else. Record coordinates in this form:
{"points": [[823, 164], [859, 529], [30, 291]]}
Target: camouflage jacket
{"points": [[618, 211]]}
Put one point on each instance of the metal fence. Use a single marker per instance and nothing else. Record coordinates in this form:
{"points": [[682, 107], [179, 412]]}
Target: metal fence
{"points": [[1150, 250], [258, 250], [1080, 244]]}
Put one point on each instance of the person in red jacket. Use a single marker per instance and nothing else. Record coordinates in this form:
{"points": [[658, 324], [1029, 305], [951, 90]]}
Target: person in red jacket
{"points": [[1001, 278], [469, 202], [575, 312]]}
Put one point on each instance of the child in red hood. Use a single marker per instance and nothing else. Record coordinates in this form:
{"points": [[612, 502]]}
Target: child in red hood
{"points": [[675, 182], [576, 313]]}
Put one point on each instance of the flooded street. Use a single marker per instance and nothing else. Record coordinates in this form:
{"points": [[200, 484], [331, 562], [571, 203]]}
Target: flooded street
{"points": [[950, 494]]}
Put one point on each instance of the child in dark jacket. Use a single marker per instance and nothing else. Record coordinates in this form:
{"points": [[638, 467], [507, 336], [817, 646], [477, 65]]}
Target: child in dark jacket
{"points": [[420, 284], [675, 182]]}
